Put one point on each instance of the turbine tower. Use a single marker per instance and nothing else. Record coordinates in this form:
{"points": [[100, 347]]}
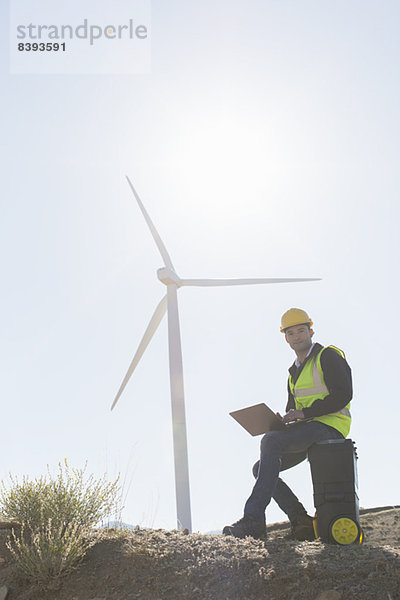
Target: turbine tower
{"points": [[167, 275]]}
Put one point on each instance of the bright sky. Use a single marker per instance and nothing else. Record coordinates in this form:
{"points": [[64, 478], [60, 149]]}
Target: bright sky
{"points": [[264, 143]]}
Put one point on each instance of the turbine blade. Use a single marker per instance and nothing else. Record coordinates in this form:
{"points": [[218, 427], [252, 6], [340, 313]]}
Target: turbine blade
{"points": [[215, 282], [148, 334], [182, 488], [160, 244]]}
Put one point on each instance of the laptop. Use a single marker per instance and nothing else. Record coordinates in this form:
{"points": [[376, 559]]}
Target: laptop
{"points": [[259, 418]]}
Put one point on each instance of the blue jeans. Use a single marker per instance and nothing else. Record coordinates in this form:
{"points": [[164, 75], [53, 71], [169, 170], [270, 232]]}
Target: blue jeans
{"points": [[281, 450]]}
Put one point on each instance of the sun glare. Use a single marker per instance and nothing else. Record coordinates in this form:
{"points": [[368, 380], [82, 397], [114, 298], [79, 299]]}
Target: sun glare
{"points": [[226, 159]]}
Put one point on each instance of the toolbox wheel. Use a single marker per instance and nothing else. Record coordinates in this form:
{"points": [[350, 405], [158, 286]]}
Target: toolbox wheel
{"points": [[345, 530]]}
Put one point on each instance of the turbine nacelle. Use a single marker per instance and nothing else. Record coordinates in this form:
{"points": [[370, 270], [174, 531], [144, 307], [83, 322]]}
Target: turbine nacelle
{"points": [[168, 276]]}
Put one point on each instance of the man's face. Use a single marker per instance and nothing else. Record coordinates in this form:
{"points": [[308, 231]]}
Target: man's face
{"points": [[299, 337]]}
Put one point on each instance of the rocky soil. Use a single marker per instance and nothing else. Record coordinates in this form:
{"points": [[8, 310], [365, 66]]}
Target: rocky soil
{"points": [[168, 565]]}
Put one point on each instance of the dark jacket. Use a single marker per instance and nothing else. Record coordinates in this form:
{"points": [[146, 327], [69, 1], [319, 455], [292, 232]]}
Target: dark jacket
{"points": [[337, 376]]}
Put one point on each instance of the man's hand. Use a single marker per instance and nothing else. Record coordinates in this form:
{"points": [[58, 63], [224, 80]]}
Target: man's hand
{"points": [[293, 415]]}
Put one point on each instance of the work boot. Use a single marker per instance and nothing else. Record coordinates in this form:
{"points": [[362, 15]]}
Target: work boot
{"points": [[302, 528], [247, 526]]}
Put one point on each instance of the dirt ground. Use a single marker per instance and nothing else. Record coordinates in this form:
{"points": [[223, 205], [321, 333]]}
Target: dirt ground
{"points": [[168, 565]]}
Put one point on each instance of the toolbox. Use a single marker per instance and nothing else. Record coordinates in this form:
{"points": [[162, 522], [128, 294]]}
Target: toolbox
{"points": [[334, 475]]}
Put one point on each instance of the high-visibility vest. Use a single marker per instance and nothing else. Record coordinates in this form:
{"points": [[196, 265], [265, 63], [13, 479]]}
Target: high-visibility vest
{"points": [[310, 386]]}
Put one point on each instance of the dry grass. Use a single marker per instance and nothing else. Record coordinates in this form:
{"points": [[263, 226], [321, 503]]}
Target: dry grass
{"points": [[45, 554], [55, 513]]}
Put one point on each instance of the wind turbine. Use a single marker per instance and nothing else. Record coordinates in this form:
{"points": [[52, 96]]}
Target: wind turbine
{"points": [[167, 275]]}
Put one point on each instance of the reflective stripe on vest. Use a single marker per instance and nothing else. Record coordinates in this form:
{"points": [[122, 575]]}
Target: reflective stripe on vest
{"points": [[305, 396], [319, 387]]}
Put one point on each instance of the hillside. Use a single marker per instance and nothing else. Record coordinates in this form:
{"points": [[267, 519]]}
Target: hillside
{"points": [[168, 565]]}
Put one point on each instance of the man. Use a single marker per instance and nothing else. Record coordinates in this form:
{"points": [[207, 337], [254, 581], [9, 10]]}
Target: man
{"points": [[318, 408]]}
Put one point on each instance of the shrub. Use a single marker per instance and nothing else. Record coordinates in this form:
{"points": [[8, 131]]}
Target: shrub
{"points": [[50, 552], [63, 499], [55, 513]]}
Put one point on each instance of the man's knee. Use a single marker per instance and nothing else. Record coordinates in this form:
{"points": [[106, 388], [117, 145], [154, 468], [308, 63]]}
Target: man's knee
{"points": [[270, 442]]}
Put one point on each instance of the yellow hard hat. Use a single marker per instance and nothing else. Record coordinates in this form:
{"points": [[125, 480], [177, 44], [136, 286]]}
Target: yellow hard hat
{"points": [[294, 316]]}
